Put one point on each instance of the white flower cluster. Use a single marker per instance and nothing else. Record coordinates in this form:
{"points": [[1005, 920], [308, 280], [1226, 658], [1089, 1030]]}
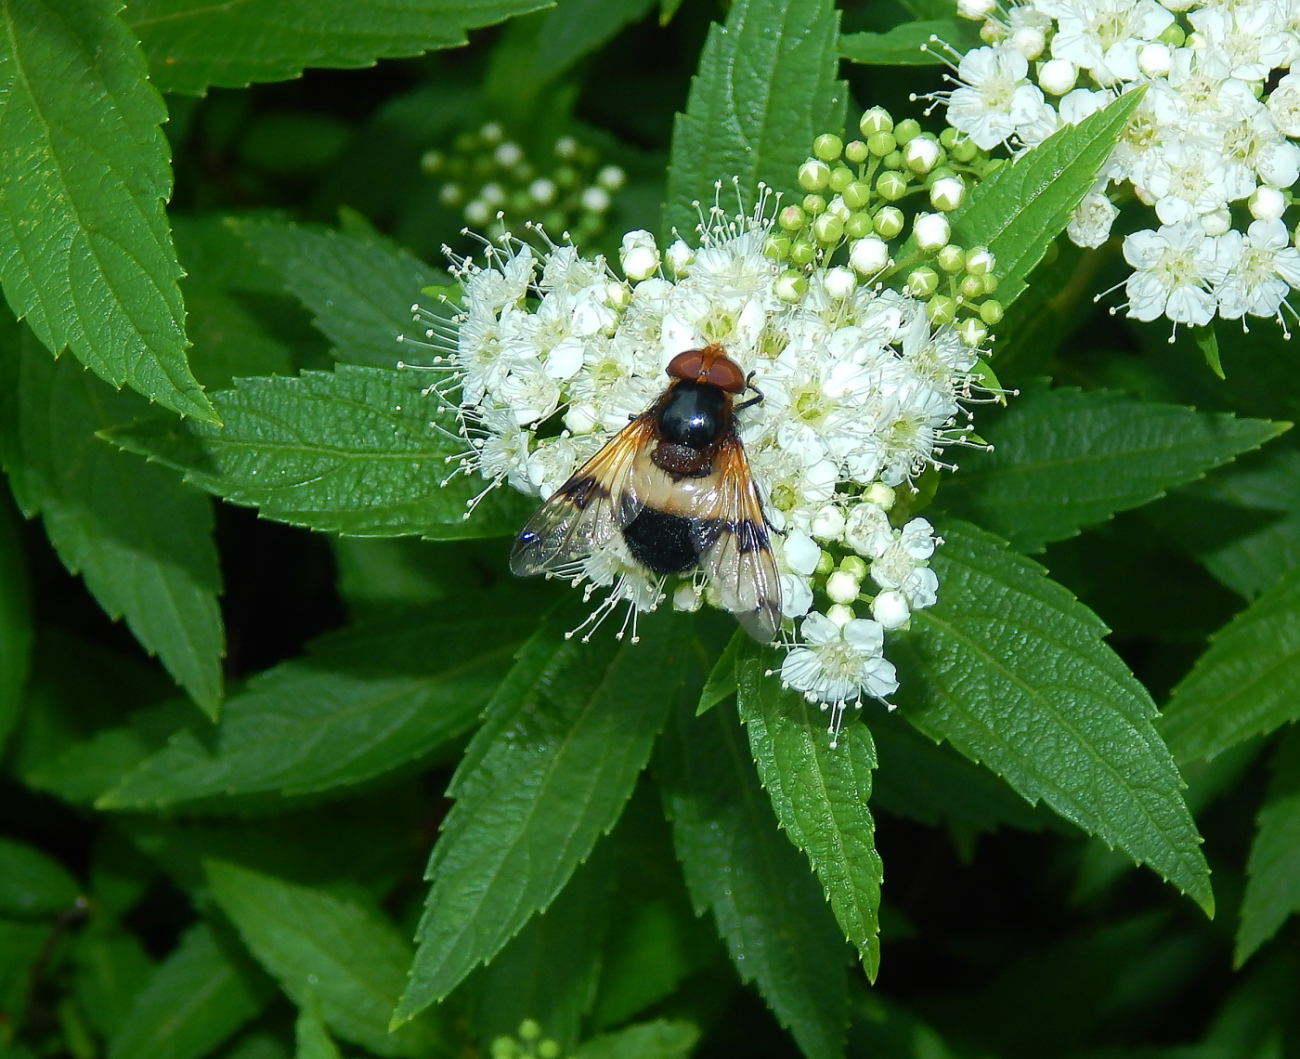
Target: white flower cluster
{"points": [[1214, 130], [552, 353]]}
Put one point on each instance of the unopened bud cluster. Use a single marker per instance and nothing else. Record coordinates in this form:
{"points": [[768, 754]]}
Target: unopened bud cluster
{"points": [[875, 210], [497, 187], [529, 1044]]}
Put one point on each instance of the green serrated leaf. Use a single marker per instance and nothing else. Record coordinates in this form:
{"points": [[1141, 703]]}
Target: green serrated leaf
{"points": [[722, 679], [83, 771], [550, 968], [138, 536], [83, 178], [1242, 524], [820, 792], [660, 1039], [919, 779], [204, 991], [351, 958], [1273, 871], [1247, 682], [765, 87], [1063, 459], [363, 701], [359, 450], [768, 908], [237, 314], [1019, 210], [1013, 672], [566, 737], [15, 615], [193, 45], [902, 45], [359, 288], [33, 884]]}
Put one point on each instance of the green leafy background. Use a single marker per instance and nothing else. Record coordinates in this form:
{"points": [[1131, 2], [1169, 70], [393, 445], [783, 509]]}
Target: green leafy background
{"points": [[291, 766]]}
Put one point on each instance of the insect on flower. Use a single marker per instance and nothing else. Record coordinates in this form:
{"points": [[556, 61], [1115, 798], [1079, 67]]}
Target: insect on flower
{"points": [[675, 484]]}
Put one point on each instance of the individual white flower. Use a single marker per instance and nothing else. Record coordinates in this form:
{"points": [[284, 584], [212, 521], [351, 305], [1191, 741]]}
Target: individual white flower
{"points": [[900, 564], [1186, 181], [1173, 271], [838, 665], [994, 97], [1246, 35], [1262, 267]]}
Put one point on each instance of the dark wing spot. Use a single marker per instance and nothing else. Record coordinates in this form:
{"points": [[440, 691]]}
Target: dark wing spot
{"points": [[580, 492], [750, 536]]}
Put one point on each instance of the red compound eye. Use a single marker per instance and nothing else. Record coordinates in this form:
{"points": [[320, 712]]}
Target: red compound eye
{"points": [[710, 365]]}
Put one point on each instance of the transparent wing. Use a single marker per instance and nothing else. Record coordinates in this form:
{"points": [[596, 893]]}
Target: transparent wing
{"points": [[736, 550], [585, 511]]}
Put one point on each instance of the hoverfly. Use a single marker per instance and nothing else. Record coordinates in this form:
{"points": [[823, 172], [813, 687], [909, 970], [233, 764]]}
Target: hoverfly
{"points": [[675, 483]]}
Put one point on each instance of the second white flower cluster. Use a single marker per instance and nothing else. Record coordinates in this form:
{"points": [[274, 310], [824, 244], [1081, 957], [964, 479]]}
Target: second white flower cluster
{"points": [[1213, 132]]}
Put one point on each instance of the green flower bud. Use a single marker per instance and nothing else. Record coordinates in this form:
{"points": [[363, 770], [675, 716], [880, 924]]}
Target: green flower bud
{"points": [[814, 204], [791, 285], [828, 147], [881, 143], [923, 282], [855, 565], [825, 563], [841, 177], [889, 221], [828, 229], [858, 225], [894, 160], [776, 247], [971, 331], [814, 175], [990, 282], [791, 218], [907, 129], [857, 195], [971, 288], [963, 151], [877, 119], [803, 253], [856, 152], [991, 312], [951, 258], [1174, 35], [979, 261], [891, 186], [940, 310]]}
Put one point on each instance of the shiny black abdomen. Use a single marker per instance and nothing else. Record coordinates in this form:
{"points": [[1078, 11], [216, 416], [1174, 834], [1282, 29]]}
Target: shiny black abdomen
{"points": [[693, 415], [662, 543]]}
